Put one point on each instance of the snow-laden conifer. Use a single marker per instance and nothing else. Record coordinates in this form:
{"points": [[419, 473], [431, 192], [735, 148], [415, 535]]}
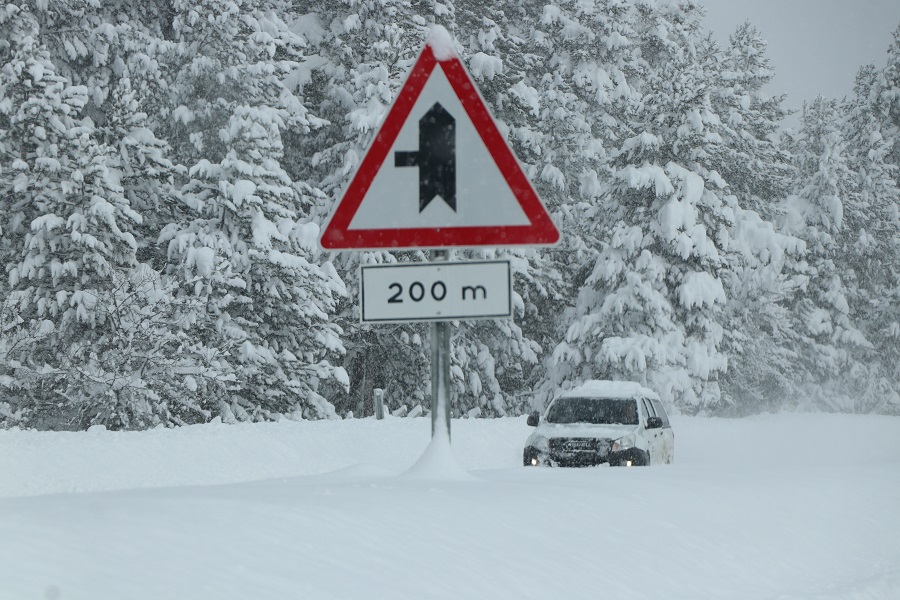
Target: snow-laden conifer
{"points": [[826, 213], [760, 278], [875, 250], [651, 308], [243, 244], [82, 320]]}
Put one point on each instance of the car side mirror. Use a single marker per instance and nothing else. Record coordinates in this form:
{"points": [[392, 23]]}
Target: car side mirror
{"points": [[533, 419], [654, 423]]}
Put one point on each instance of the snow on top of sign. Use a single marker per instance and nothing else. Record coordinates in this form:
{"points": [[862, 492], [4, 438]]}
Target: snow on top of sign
{"points": [[441, 43]]}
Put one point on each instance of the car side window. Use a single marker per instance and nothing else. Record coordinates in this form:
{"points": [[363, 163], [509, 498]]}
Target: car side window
{"points": [[661, 412], [648, 409]]}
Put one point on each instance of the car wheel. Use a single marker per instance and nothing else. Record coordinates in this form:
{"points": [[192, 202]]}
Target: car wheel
{"points": [[638, 458]]}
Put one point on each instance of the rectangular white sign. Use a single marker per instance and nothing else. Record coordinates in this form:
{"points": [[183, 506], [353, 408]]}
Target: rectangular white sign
{"points": [[437, 291]]}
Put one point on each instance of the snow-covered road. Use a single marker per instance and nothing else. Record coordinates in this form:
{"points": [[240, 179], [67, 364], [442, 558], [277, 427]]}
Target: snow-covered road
{"points": [[789, 506]]}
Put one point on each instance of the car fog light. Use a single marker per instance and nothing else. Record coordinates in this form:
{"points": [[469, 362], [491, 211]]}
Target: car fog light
{"points": [[627, 463], [534, 462]]}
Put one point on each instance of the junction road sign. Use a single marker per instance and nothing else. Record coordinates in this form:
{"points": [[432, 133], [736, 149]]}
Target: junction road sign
{"points": [[438, 173], [439, 291]]}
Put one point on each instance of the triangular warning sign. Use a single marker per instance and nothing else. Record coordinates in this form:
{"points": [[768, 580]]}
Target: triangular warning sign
{"points": [[439, 173]]}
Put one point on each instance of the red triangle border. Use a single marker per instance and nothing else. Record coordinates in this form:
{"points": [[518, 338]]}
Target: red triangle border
{"points": [[541, 231]]}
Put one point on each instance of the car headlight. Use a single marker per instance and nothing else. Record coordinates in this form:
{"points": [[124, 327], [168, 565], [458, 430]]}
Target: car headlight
{"points": [[623, 443], [533, 456], [538, 442]]}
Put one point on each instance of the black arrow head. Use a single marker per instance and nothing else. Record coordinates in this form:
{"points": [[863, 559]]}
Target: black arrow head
{"points": [[437, 157]]}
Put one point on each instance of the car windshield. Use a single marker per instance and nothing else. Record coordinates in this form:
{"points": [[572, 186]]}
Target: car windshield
{"points": [[597, 411]]}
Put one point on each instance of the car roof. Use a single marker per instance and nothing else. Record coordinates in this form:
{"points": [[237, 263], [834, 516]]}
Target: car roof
{"points": [[610, 389]]}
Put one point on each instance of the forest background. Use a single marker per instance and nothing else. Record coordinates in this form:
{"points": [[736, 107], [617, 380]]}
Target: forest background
{"points": [[165, 167]]}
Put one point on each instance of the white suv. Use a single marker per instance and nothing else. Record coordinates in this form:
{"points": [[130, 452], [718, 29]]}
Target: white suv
{"points": [[615, 422]]}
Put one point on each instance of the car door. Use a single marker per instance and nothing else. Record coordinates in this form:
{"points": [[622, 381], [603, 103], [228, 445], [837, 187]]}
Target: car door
{"points": [[667, 435], [654, 436]]}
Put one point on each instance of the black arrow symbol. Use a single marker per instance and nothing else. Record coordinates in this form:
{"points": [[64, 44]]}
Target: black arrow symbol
{"points": [[436, 157]]}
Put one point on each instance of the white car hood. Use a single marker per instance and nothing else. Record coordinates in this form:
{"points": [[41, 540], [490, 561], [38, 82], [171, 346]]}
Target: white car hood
{"points": [[580, 430]]}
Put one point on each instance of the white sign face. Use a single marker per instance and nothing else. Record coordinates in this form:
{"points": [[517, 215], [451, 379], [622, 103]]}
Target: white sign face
{"points": [[436, 291], [483, 197]]}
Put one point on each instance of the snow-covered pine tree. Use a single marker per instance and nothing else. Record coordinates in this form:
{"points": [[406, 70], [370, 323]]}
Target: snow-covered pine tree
{"points": [[886, 101], [759, 281], [16, 27], [114, 50], [825, 212], [884, 98], [117, 50], [876, 250], [94, 43], [541, 70], [757, 170], [651, 309], [244, 245], [42, 145], [18, 33], [81, 318]]}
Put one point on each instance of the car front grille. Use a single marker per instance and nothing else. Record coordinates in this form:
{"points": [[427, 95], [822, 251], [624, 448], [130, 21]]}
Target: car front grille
{"points": [[579, 451], [574, 445]]}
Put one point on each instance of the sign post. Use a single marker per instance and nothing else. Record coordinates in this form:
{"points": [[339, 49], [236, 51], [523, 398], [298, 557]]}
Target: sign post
{"points": [[438, 175], [440, 367]]}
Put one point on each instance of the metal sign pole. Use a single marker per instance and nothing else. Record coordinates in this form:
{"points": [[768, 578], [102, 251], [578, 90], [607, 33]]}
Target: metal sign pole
{"points": [[440, 366]]}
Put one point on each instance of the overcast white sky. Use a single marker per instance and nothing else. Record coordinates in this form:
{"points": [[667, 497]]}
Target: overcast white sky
{"points": [[815, 46]]}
